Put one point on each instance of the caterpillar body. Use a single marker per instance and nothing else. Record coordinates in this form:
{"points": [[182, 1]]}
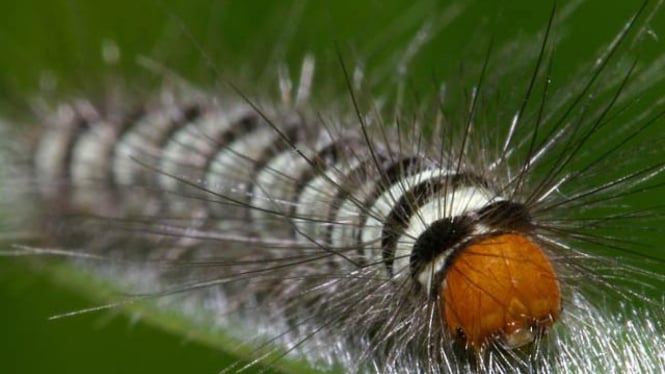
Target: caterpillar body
{"points": [[351, 242]]}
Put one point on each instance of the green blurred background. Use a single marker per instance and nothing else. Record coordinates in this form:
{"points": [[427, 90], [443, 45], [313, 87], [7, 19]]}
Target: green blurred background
{"points": [[55, 46]]}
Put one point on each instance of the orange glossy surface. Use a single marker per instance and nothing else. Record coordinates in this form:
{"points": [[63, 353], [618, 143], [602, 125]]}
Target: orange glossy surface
{"points": [[500, 287]]}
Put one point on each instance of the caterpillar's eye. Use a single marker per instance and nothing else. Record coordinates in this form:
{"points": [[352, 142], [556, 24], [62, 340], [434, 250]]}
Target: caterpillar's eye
{"points": [[503, 287]]}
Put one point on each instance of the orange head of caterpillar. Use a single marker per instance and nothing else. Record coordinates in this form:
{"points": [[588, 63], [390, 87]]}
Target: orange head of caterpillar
{"points": [[500, 286]]}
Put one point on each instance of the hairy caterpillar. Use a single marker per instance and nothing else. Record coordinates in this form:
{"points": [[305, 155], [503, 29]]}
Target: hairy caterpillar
{"points": [[480, 159]]}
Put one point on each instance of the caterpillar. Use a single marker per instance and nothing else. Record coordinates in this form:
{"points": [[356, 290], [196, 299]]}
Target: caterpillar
{"points": [[342, 241]]}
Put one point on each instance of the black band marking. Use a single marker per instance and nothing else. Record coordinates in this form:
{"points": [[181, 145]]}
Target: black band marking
{"points": [[399, 169], [412, 200]]}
